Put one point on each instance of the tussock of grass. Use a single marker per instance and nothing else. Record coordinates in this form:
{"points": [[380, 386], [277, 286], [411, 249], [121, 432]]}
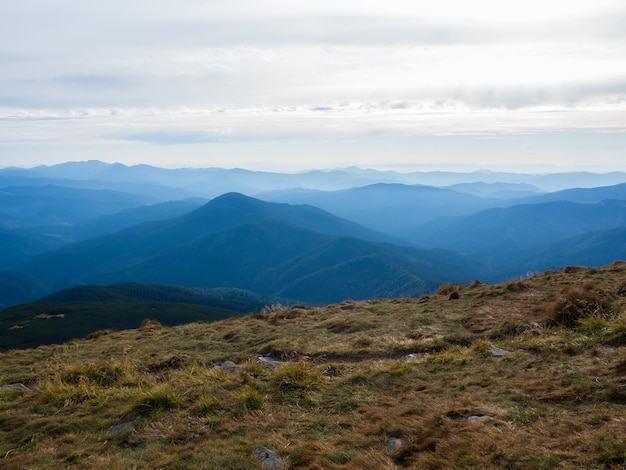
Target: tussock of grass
{"points": [[247, 401], [579, 303], [100, 373], [453, 355], [150, 324], [159, 398], [446, 289], [62, 395], [299, 376]]}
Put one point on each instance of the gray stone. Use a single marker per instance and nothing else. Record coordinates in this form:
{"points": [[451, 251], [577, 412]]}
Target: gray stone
{"points": [[394, 444], [411, 357], [18, 387], [267, 362], [531, 328], [229, 366], [478, 419], [269, 459], [117, 428], [498, 352]]}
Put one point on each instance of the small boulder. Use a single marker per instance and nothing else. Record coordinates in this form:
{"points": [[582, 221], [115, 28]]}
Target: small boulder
{"points": [[17, 387], [478, 419], [117, 428], [498, 352], [268, 362], [394, 444], [229, 366], [269, 459]]}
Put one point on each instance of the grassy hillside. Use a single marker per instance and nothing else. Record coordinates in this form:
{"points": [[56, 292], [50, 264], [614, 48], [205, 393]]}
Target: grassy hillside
{"points": [[527, 374]]}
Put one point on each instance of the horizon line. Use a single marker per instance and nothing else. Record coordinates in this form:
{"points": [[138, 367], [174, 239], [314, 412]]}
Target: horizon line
{"points": [[388, 168]]}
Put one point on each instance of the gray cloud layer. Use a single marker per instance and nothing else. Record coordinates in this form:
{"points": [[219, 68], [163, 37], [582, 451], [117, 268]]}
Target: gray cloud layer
{"points": [[218, 72]]}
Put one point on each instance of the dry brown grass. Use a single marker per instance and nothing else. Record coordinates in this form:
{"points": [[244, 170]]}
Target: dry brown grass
{"points": [[557, 401]]}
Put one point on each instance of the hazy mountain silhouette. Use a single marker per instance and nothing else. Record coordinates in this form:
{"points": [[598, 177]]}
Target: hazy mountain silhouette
{"points": [[390, 208], [139, 232], [494, 233], [505, 191], [596, 194], [211, 182], [237, 241], [17, 288], [127, 218], [27, 206], [595, 248], [17, 246]]}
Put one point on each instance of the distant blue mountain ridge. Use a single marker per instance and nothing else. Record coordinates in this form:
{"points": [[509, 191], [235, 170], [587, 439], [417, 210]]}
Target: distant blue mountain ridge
{"points": [[315, 237]]}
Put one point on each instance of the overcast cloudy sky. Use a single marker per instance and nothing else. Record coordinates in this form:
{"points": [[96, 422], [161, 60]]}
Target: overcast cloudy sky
{"points": [[288, 85]]}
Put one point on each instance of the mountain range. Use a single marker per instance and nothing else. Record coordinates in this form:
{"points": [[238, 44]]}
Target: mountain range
{"points": [[314, 237], [296, 252], [211, 182]]}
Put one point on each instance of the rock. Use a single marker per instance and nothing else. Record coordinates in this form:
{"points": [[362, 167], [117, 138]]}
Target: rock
{"points": [[498, 352], [18, 387], [394, 444], [117, 428], [267, 362], [478, 419], [269, 459], [532, 328], [411, 357], [229, 366]]}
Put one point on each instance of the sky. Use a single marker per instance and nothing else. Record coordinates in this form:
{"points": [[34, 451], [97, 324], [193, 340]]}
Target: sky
{"points": [[535, 86]]}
